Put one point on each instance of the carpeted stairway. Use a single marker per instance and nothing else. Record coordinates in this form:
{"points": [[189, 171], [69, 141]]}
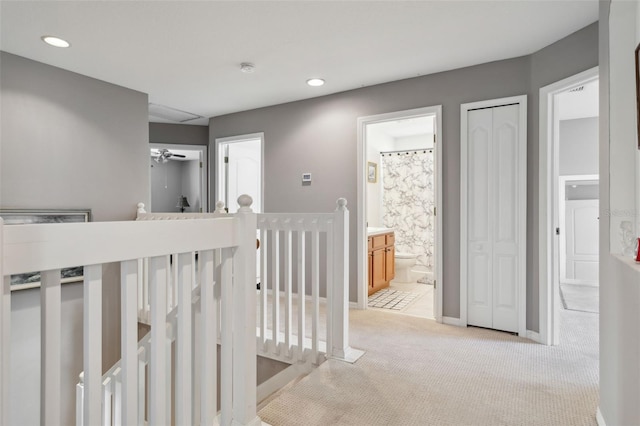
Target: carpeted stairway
{"points": [[418, 372]]}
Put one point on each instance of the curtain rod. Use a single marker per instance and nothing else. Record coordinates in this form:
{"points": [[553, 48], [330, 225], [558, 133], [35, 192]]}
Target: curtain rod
{"points": [[407, 151]]}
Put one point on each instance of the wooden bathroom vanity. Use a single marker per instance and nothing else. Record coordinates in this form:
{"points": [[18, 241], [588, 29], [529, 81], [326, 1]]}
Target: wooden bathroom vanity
{"points": [[381, 260]]}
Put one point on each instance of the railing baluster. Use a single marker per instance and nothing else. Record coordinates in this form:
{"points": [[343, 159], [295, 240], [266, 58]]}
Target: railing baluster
{"points": [[329, 285], [92, 342], [208, 330], [106, 402], [5, 335], [117, 400], [275, 289], [315, 292], [129, 278], [301, 293], [143, 390], [264, 281], [287, 291], [158, 271], [184, 264], [50, 340], [226, 358]]}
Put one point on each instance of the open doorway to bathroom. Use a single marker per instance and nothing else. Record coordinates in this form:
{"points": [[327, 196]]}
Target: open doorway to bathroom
{"points": [[399, 230]]}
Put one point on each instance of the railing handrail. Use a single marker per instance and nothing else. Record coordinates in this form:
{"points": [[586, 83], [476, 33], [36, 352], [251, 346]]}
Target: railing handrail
{"points": [[77, 244]]}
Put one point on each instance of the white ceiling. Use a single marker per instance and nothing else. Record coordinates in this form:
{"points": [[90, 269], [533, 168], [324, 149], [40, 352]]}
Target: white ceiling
{"points": [[187, 54]]}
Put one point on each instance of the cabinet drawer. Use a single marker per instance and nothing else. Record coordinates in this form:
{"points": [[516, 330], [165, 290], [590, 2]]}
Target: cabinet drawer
{"points": [[390, 239], [378, 241]]}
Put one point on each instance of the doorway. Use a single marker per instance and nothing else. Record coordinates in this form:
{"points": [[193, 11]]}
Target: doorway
{"points": [[399, 242], [178, 178], [569, 194], [240, 170]]}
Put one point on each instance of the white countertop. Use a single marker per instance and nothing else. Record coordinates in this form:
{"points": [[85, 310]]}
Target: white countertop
{"points": [[378, 231]]}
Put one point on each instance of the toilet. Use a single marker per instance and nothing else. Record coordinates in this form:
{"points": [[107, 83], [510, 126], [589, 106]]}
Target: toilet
{"points": [[404, 263]]}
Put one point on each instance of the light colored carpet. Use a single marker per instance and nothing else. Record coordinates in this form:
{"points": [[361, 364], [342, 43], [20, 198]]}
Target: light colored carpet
{"points": [[391, 299], [583, 298], [418, 372]]}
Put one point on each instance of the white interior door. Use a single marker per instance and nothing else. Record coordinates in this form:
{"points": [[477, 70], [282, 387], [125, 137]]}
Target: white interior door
{"points": [[243, 174], [495, 216], [581, 238]]}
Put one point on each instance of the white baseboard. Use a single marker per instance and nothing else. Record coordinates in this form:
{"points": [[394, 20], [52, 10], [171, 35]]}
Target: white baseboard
{"points": [[452, 321], [353, 305], [599, 418], [534, 335]]}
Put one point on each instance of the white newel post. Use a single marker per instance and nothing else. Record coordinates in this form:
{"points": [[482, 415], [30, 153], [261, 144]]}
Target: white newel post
{"points": [[5, 335], [340, 293], [244, 317]]}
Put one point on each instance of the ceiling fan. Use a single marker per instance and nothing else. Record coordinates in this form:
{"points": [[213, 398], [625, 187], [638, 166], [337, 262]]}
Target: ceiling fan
{"points": [[163, 155]]}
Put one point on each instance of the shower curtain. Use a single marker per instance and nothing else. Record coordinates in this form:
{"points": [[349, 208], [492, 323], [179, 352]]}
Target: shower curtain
{"points": [[408, 201]]}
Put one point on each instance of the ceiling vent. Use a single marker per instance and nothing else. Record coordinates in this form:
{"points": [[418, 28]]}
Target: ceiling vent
{"points": [[171, 114], [577, 89]]}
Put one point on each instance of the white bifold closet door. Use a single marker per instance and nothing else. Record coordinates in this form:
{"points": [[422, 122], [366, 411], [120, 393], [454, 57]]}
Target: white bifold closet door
{"points": [[494, 217]]}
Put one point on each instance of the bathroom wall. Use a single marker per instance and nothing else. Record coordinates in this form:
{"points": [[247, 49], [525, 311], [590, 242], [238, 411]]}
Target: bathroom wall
{"points": [[376, 141], [171, 180]]}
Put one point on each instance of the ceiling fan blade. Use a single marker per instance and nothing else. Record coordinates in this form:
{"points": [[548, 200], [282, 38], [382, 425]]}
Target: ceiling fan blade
{"points": [[179, 155]]}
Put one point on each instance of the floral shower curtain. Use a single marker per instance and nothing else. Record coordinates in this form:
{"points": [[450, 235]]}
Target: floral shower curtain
{"points": [[408, 201]]}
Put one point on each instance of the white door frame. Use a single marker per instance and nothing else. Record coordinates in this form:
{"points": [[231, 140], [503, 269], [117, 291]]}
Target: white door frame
{"points": [[216, 146], [204, 159], [361, 220], [549, 287], [562, 211], [522, 189]]}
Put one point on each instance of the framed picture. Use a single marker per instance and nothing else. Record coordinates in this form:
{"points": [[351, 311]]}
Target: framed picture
{"points": [[372, 172], [22, 217], [637, 54]]}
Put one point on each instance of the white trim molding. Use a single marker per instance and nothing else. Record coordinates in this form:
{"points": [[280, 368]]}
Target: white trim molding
{"points": [[361, 219], [599, 418], [453, 321], [204, 178], [534, 335], [214, 147], [521, 100], [548, 272]]}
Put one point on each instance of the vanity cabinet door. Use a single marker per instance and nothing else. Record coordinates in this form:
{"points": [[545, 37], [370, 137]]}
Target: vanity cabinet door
{"points": [[379, 269], [390, 263]]}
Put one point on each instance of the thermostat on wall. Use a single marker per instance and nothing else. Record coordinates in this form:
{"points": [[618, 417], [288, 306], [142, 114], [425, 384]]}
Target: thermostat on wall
{"points": [[306, 177]]}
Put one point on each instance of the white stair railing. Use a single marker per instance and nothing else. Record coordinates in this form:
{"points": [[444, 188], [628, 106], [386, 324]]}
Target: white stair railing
{"points": [[283, 294], [278, 337], [51, 247]]}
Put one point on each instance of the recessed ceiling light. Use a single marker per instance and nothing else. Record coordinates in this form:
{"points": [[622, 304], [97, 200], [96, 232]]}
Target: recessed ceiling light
{"points": [[55, 41], [315, 82]]}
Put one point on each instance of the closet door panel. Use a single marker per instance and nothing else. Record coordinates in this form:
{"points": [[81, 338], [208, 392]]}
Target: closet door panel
{"points": [[505, 248], [505, 297], [480, 222]]}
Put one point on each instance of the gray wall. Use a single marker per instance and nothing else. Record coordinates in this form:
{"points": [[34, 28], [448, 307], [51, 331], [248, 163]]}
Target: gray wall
{"points": [[319, 136], [182, 134], [68, 141], [619, 293], [579, 146]]}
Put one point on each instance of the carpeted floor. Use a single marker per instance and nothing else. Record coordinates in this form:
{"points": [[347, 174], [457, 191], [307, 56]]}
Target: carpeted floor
{"points": [[418, 372], [583, 298]]}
